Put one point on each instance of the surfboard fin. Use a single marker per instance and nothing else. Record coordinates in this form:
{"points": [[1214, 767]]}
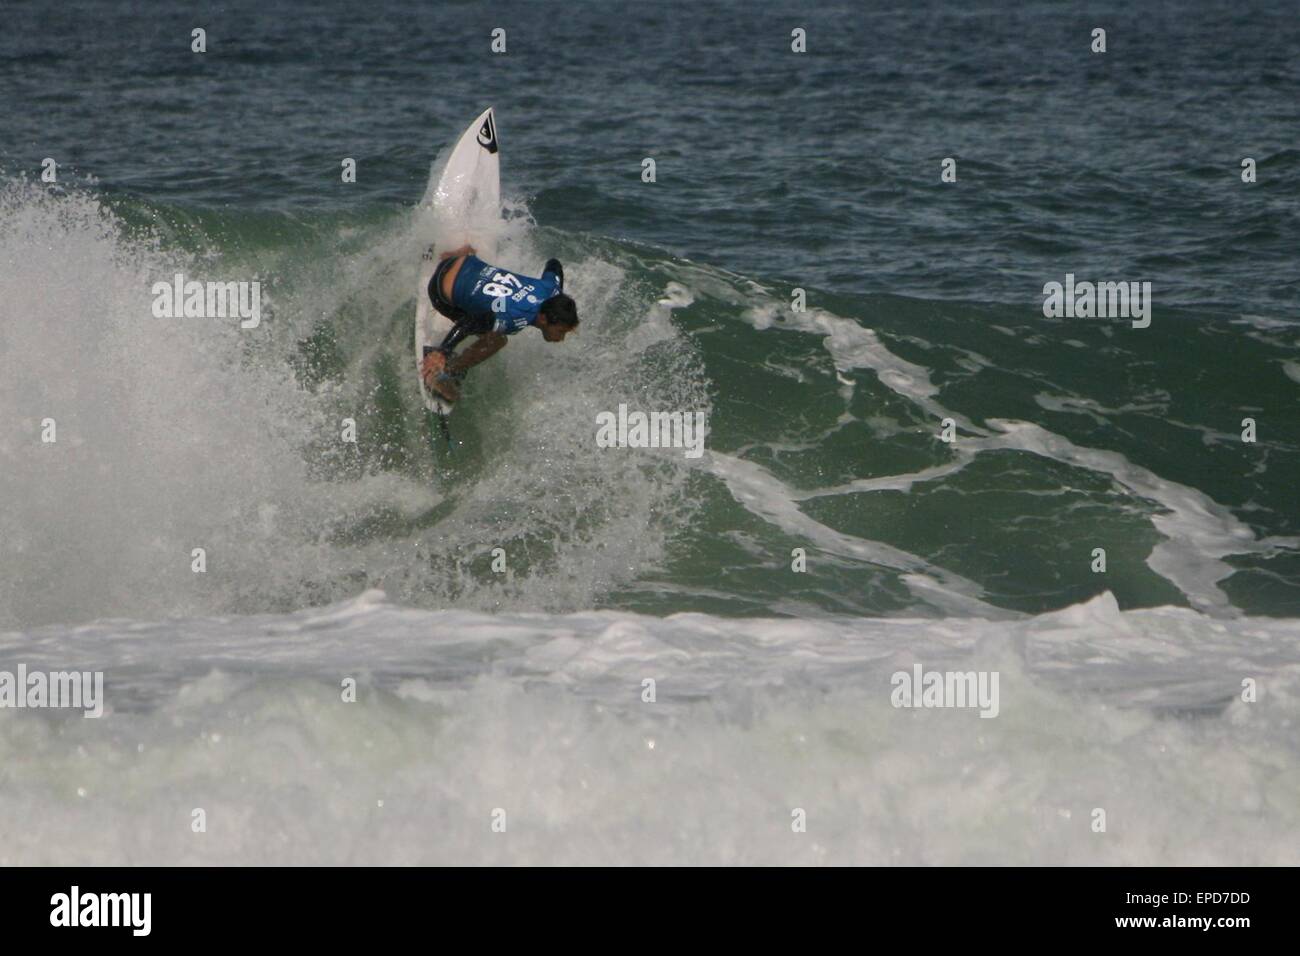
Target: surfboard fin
{"points": [[446, 431]]}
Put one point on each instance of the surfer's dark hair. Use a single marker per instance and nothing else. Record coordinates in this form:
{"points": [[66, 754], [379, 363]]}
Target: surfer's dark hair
{"points": [[561, 309]]}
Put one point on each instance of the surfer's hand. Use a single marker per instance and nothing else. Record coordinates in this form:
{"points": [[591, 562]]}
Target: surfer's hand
{"points": [[432, 367], [465, 250]]}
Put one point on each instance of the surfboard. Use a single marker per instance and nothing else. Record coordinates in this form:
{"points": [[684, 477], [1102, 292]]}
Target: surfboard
{"points": [[465, 199]]}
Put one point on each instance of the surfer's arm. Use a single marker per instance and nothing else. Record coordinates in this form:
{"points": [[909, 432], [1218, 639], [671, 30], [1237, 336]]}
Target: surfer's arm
{"points": [[484, 347], [465, 250]]}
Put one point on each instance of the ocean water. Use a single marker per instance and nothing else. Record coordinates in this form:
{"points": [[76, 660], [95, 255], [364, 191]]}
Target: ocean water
{"points": [[1164, 690]]}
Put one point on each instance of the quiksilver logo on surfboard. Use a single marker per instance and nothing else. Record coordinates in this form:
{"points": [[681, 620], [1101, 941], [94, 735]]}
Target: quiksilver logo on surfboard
{"points": [[487, 135]]}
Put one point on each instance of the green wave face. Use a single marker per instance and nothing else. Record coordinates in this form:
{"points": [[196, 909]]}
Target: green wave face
{"points": [[826, 485]]}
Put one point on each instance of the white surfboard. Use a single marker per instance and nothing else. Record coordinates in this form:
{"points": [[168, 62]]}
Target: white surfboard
{"points": [[466, 204]]}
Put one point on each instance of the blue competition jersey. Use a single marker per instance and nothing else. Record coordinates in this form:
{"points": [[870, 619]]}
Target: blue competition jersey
{"points": [[479, 285]]}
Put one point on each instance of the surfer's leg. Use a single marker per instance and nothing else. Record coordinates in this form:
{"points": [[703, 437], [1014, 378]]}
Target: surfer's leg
{"points": [[462, 323], [466, 325]]}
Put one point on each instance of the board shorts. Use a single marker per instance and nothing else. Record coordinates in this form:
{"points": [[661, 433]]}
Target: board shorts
{"points": [[465, 322], [440, 301]]}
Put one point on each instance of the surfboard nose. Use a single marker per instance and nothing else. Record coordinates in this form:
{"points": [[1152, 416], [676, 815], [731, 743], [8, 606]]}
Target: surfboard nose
{"points": [[487, 130]]}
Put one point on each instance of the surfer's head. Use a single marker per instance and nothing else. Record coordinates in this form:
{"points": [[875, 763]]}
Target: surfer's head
{"points": [[557, 317]]}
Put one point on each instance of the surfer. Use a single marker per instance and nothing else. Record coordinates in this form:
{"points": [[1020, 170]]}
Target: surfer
{"points": [[491, 303]]}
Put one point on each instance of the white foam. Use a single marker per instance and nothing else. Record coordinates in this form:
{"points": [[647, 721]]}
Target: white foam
{"points": [[764, 495], [1198, 531], [183, 434], [460, 713]]}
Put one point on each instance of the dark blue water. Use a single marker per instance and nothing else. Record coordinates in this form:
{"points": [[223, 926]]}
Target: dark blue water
{"points": [[822, 169]]}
